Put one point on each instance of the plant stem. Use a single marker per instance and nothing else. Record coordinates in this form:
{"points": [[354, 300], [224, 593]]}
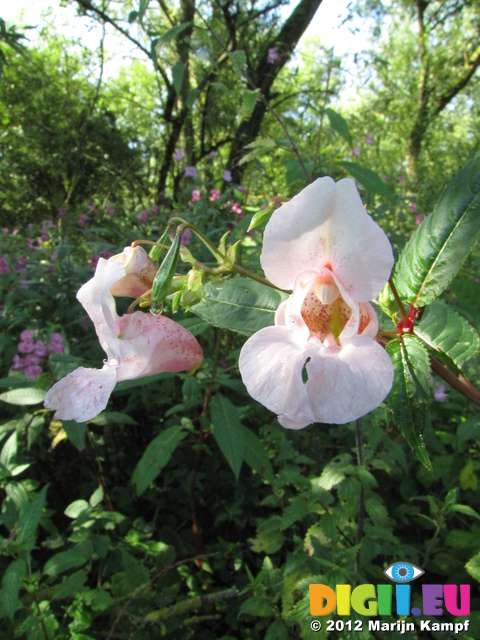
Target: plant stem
{"points": [[401, 308]]}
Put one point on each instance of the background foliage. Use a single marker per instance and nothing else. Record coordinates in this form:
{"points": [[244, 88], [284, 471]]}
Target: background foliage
{"points": [[184, 509]]}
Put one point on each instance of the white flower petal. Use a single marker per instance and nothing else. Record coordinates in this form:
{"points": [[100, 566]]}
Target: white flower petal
{"points": [[346, 385], [82, 394], [271, 364], [326, 225]]}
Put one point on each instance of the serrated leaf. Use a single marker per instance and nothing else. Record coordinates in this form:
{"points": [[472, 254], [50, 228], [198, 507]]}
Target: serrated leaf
{"points": [[444, 330], [368, 178], [170, 35], [22, 397], [408, 397], [156, 456], [11, 583], [228, 432], [177, 77], [238, 60], [64, 561], [249, 100], [30, 516], [339, 124], [440, 245], [71, 585], [241, 305]]}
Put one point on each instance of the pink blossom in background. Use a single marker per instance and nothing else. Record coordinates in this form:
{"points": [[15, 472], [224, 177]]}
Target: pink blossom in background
{"points": [[18, 363], [143, 217], [387, 178], [212, 155], [236, 208], [61, 212], [356, 151], [40, 349], [241, 188], [106, 254], [227, 175], [27, 335], [82, 220], [21, 264], [31, 359], [321, 362], [214, 194], [4, 231], [179, 154], [195, 195], [418, 219], [137, 344], [31, 244], [368, 140], [54, 256], [92, 209], [161, 194], [93, 260], [26, 346], [413, 207], [110, 210], [190, 172], [273, 55], [154, 209], [32, 371], [56, 337], [56, 347], [439, 393], [4, 268], [400, 179], [186, 237], [14, 231]]}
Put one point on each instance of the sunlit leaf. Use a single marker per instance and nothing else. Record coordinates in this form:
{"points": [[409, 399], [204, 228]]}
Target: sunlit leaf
{"points": [[339, 124], [23, 397], [367, 178], [241, 305], [440, 245], [444, 330]]}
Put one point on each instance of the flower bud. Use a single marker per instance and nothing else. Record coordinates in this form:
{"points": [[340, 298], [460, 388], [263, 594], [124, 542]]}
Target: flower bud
{"points": [[140, 272], [164, 277]]}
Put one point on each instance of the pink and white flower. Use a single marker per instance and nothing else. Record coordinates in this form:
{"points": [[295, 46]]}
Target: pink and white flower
{"points": [[137, 345], [320, 362]]}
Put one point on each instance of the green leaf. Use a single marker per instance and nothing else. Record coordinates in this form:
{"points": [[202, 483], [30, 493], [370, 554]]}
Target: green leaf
{"points": [[256, 456], [64, 561], [408, 397], [23, 396], [142, 8], [71, 585], [177, 77], [156, 456], [228, 432], [473, 567], [12, 581], [368, 178], [339, 124], [238, 60], [444, 330], [170, 35], [241, 305], [440, 245], [249, 100], [75, 432], [9, 452], [30, 516], [256, 607], [76, 508]]}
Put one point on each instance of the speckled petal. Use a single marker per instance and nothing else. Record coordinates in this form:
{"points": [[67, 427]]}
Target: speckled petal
{"points": [[82, 394]]}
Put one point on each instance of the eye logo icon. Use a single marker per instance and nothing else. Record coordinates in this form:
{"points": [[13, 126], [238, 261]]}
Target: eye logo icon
{"points": [[403, 572]]}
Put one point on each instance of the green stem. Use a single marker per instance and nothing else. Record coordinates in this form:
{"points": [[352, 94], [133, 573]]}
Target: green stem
{"points": [[401, 308], [361, 502]]}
